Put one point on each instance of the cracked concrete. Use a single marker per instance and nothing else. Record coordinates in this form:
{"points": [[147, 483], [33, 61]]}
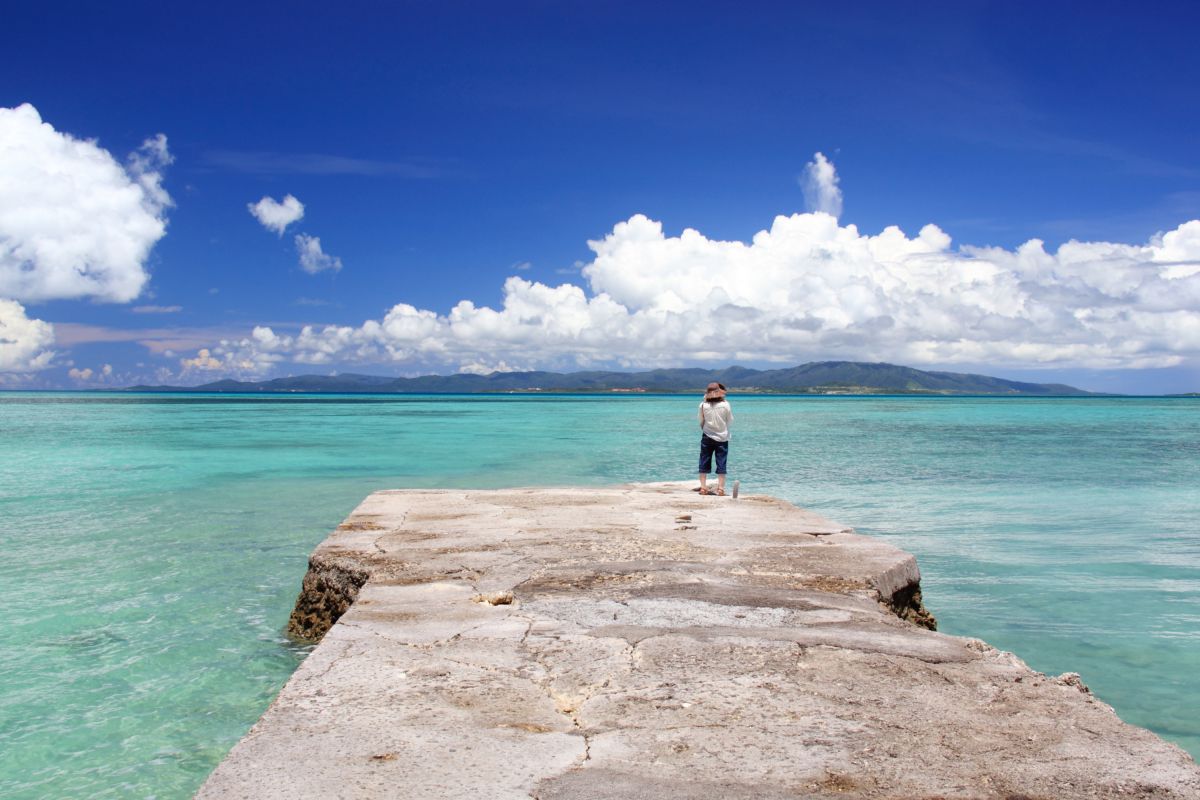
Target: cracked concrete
{"points": [[646, 642]]}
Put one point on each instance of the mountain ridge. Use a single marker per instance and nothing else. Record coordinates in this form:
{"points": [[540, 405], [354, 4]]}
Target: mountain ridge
{"points": [[817, 377]]}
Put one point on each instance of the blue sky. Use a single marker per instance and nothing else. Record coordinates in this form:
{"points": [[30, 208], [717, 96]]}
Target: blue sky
{"points": [[455, 160]]}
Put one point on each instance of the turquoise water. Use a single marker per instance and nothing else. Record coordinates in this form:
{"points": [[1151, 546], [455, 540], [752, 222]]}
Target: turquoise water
{"points": [[152, 545]]}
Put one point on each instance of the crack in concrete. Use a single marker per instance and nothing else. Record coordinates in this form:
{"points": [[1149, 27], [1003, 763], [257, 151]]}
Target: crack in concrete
{"points": [[508, 564], [472, 629], [431, 649], [429, 646], [563, 704], [537, 574], [349, 651], [399, 527], [528, 627]]}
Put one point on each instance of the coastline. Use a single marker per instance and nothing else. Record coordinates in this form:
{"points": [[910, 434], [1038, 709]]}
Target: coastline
{"points": [[480, 624], [882, 394]]}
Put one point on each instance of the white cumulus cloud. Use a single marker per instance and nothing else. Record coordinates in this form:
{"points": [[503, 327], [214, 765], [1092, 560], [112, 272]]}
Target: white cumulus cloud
{"points": [[24, 342], [806, 288], [487, 368], [820, 185], [74, 222], [312, 258], [89, 375], [203, 362], [275, 215]]}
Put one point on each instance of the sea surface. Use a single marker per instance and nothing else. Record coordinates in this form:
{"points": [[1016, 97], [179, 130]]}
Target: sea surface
{"points": [[151, 546]]}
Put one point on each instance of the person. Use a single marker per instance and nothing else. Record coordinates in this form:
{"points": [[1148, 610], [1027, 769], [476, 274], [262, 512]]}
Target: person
{"points": [[715, 418]]}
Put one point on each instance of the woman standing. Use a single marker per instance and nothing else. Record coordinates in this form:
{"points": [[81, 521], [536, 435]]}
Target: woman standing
{"points": [[715, 418]]}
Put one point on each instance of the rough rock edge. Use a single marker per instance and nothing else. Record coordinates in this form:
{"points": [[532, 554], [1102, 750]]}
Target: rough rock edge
{"points": [[906, 604], [332, 584], [330, 587]]}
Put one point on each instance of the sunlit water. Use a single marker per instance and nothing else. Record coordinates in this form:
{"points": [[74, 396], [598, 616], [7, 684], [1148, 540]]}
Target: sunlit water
{"points": [[151, 546]]}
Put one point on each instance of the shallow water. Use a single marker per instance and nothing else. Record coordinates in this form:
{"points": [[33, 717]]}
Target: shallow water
{"points": [[153, 544]]}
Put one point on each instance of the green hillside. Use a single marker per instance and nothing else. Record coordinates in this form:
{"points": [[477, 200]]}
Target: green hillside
{"points": [[824, 377]]}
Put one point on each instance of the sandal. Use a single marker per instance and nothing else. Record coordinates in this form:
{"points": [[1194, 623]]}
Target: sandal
{"points": [[720, 492], [703, 491]]}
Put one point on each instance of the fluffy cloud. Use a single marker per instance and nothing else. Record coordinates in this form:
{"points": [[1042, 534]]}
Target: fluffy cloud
{"points": [[312, 258], [820, 185], [203, 362], [89, 375], [275, 215], [248, 363], [24, 342], [805, 288], [73, 221]]}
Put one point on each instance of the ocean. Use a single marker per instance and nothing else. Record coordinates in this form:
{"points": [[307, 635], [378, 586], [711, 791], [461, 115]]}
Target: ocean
{"points": [[152, 545]]}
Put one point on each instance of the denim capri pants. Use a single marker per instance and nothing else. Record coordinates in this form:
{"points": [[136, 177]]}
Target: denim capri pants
{"points": [[708, 449]]}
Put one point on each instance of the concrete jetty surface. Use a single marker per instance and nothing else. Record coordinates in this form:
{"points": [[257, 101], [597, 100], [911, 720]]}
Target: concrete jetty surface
{"points": [[646, 642]]}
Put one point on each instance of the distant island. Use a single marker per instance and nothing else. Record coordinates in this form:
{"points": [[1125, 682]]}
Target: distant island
{"points": [[822, 378]]}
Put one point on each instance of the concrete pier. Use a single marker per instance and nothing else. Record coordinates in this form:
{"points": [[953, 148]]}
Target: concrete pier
{"points": [[646, 642]]}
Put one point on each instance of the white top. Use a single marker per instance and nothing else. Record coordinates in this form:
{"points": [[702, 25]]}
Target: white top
{"points": [[715, 419]]}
